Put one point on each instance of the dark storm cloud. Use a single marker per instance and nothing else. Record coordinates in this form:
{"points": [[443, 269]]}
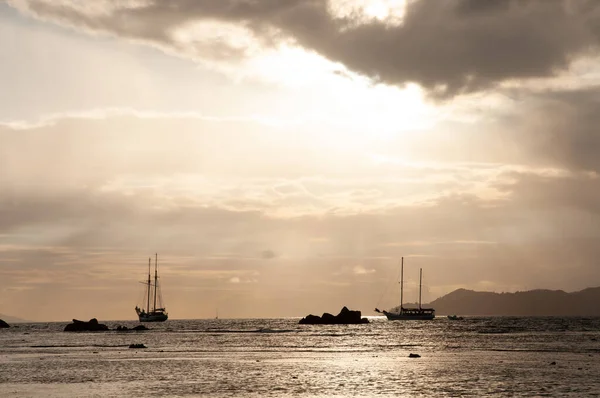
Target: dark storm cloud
{"points": [[448, 47]]}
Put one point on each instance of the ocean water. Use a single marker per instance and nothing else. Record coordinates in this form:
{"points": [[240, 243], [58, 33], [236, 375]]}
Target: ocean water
{"points": [[497, 356]]}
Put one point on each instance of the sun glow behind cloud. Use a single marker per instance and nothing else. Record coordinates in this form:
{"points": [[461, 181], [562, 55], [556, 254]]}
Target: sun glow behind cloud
{"points": [[362, 11], [384, 109], [285, 76]]}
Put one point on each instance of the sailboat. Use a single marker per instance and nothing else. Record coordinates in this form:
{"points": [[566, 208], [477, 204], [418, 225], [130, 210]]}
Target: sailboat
{"points": [[154, 310], [419, 313]]}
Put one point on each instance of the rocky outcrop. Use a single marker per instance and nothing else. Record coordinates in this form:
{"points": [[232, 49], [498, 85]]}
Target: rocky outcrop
{"points": [[3, 324], [345, 317], [93, 326], [126, 329], [82, 326]]}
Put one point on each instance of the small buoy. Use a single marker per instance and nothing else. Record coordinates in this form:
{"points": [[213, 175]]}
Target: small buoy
{"points": [[553, 363]]}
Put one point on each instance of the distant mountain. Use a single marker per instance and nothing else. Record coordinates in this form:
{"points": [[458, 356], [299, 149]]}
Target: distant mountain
{"points": [[534, 302], [12, 319]]}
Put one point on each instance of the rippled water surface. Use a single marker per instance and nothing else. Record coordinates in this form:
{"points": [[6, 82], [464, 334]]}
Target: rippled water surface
{"points": [[277, 357]]}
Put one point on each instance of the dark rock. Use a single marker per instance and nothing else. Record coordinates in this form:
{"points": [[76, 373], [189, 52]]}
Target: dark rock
{"points": [[140, 327], [311, 320], [3, 324], [349, 316], [553, 363], [137, 346], [328, 319], [345, 316], [411, 355], [81, 326], [126, 329]]}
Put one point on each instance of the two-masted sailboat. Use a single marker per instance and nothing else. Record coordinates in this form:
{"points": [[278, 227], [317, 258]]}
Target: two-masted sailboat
{"points": [[418, 313], [152, 309]]}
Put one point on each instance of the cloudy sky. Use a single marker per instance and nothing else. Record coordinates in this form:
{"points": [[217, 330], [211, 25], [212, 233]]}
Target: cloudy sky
{"points": [[281, 155]]}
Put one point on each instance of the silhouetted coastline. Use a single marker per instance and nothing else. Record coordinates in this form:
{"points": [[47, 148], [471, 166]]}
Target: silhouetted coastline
{"points": [[528, 303]]}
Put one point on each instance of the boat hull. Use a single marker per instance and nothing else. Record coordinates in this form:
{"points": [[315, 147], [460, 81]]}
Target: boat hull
{"points": [[156, 317], [424, 316]]}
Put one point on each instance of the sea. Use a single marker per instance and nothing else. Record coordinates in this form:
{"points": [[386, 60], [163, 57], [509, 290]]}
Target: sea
{"points": [[476, 356]]}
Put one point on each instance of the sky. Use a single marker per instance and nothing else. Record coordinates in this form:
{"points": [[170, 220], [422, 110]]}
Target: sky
{"points": [[281, 156]]}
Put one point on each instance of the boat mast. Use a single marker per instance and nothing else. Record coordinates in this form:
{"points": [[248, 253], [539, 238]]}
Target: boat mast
{"points": [[148, 301], [420, 279], [155, 279], [401, 281]]}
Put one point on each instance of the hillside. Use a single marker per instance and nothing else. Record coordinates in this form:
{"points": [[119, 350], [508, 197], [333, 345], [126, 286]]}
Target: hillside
{"points": [[12, 319], [534, 302]]}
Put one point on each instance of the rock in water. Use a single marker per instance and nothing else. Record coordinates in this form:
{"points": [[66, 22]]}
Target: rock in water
{"points": [[328, 319], [349, 316], [81, 326], [3, 324], [345, 317], [140, 327], [311, 320], [126, 329], [411, 355]]}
